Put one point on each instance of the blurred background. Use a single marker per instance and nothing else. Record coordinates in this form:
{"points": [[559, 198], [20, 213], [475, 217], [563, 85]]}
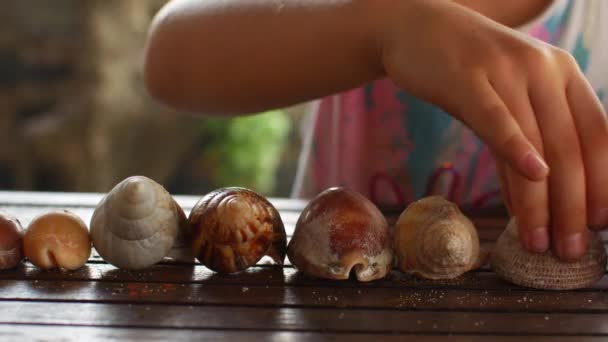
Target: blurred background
{"points": [[74, 114]]}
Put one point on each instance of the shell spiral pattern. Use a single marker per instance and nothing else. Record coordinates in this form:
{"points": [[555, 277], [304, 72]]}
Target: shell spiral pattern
{"points": [[434, 240], [233, 228], [136, 224]]}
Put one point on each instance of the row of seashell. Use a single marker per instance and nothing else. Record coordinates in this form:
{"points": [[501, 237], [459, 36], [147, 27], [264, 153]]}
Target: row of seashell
{"points": [[340, 230], [138, 223], [57, 239]]}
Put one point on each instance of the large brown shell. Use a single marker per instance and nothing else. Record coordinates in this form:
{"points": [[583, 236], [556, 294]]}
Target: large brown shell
{"points": [[338, 231], [11, 241], [434, 240], [543, 270], [233, 228]]}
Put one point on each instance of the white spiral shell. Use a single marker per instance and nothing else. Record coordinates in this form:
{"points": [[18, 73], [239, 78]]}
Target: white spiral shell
{"points": [[136, 224]]}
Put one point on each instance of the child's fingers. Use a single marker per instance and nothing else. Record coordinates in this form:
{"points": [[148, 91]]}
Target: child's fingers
{"points": [[501, 169], [530, 205], [530, 200], [563, 152], [486, 113], [592, 126]]}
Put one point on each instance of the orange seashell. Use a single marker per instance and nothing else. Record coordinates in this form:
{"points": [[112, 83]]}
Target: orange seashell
{"points": [[233, 228], [57, 239]]}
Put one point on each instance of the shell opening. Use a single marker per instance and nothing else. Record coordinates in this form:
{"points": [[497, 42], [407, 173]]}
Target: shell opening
{"points": [[52, 259], [364, 271]]}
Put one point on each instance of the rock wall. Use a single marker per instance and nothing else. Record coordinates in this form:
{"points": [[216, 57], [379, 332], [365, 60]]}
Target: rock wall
{"points": [[74, 113]]}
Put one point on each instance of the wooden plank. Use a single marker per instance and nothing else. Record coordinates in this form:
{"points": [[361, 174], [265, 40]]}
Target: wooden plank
{"points": [[261, 276], [288, 296], [302, 319], [78, 333]]}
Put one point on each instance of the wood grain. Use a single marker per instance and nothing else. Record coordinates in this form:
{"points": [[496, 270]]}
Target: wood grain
{"points": [[301, 319], [264, 276], [65, 333]]}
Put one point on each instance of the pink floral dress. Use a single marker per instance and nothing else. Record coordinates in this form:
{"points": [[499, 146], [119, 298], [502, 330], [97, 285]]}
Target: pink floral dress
{"points": [[395, 148]]}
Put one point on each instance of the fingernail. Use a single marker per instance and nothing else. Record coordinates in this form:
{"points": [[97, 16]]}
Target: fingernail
{"points": [[538, 240], [572, 247], [535, 165], [600, 219]]}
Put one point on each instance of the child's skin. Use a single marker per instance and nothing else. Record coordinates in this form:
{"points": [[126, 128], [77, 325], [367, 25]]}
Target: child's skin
{"points": [[528, 101]]}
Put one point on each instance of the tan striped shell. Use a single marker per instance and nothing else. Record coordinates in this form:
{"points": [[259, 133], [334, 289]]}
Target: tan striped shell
{"points": [[434, 240], [543, 270], [233, 228]]}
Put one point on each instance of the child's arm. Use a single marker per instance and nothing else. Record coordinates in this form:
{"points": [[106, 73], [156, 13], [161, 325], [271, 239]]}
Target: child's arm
{"points": [[527, 100], [231, 56]]}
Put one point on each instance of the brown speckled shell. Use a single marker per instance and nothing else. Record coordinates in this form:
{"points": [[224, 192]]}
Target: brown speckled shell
{"points": [[233, 228], [341, 230], [11, 241], [543, 270], [434, 240]]}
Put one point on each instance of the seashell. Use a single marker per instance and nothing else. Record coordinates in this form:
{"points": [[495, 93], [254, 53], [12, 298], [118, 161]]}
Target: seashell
{"points": [[513, 263], [181, 250], [340, 230], [434, 240], [57, 239], [233, 228], [11, 241], [137, 224]]}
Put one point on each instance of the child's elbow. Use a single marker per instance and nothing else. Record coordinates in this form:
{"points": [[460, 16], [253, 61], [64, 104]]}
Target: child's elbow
{"points": [[158, 69], [156, 80]]}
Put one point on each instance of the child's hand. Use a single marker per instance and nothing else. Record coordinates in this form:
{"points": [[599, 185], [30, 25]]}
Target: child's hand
{"points": [[527, 100]]}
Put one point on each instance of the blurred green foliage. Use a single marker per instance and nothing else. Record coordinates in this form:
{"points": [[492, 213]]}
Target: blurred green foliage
{"points": [[246, 151]]}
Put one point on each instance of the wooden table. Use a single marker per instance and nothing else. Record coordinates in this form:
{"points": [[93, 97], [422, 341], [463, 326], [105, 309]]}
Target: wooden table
{"points": [[176, 302]]}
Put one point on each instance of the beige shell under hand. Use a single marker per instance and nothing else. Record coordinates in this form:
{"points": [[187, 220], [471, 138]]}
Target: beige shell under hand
{"points": [[543, 270], [434, 240], [136, 224]]}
